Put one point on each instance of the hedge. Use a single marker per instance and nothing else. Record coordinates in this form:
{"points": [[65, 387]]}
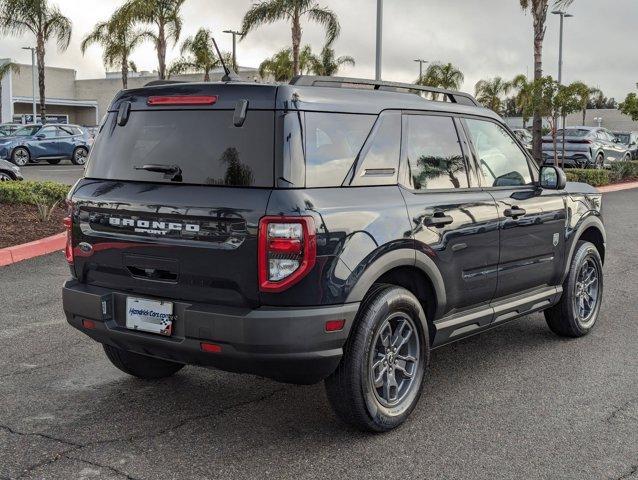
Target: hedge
{"points": [[32, 192], [619, 172]]}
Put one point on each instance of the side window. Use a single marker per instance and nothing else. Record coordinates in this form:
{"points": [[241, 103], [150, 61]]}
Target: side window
{"points": [[65, 131], [434, 155], [333, 141], [501, 160], [48, 132], [379, 164]]}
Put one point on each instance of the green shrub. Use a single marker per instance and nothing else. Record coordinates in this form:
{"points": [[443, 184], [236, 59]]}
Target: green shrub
{"points": [[622, 171], [44, 195], [591, 176]]}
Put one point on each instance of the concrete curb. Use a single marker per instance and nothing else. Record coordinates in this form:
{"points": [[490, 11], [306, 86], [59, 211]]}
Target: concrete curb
{"points": [[18, 253], [617, 187]]}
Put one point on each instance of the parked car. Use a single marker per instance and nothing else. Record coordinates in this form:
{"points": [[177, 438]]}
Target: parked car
{"points": [[585, 147], [50, 142], [6, 129], [524, 136], [335, 229], [630, 141], [9, 171]]}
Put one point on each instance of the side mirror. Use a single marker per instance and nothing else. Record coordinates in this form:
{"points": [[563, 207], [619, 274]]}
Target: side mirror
{"points": [[552, 178], [40, 136]]}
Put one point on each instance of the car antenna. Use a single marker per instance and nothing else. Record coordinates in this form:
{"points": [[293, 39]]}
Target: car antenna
{"points": [[229, 75]]}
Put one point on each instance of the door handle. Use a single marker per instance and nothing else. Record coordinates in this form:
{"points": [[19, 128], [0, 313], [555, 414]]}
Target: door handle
{"points": [[514, 212], [438, 220]]}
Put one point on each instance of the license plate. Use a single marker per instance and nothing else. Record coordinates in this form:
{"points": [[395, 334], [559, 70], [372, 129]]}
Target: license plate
{"points": [[149, 315]]}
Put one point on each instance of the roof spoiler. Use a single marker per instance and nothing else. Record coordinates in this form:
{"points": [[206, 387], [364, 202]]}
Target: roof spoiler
{"points": [[362, 83]]}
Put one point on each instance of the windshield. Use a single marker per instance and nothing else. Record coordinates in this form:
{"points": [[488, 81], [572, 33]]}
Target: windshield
{"points": [[573, 132], [204, 144], [26, 131], [622, 137]]}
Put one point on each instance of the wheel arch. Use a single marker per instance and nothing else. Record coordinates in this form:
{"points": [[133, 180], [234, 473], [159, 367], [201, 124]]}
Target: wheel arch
{"points": [[591, 230]]}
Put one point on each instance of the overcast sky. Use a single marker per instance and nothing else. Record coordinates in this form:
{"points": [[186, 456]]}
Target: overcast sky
{"points": [[484, 38]]}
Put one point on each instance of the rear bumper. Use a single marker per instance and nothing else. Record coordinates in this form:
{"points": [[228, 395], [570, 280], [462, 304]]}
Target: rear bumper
{"points": [[285, 344]]}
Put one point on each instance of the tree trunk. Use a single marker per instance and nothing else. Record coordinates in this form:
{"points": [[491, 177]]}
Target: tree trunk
{"points": [[161, 52], [124, 72], [540, 15], [562, 158], [584, 115], [39, 50], [554, 142], [296, 41], [207, 75]]}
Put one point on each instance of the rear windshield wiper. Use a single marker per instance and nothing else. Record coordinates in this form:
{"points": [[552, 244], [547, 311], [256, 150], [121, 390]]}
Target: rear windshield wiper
{"points": [[171, 172]]}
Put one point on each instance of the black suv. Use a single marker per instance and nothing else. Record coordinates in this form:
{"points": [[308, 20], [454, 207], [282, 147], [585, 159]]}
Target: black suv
{"points": [[331, 228]]}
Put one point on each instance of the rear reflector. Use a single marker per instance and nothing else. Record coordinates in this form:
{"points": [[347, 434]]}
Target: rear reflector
{"points": [[88, 324], [335, 325], [182, 100], [68, 248], [210, 347]]}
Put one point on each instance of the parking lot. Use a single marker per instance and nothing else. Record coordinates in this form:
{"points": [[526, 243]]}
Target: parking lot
{"points": [[516, 402], [65, 172]]}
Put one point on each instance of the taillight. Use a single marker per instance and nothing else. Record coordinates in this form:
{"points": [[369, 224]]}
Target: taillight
{"points": [[287, 251], [182, 100], [68, 249]]}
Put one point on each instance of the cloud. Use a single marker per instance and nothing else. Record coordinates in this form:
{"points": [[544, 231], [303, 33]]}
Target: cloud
{"points": [[484, 38]]}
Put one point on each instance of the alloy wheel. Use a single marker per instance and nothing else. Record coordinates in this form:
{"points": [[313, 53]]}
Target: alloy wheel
{"points": [[586, 292], [80, 156], [4, 177], [20, 157], [394, 359]]}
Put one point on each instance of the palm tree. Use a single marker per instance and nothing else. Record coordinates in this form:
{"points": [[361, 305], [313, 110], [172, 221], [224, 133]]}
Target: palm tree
{"points": [[326, 64], [163, 14], [491, 92], [5, 69], [118, 38], [584, 94], [279, 66], [18, 17], [442, 75], [292, 11], [524, 99], [199, 54], [539, 14]]}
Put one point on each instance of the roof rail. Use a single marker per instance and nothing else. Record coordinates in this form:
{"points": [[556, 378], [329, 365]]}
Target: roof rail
{"points": [[362, 83], [154, 83]]}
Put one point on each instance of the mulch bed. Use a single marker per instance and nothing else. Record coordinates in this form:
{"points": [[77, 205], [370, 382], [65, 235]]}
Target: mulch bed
{"points": [[20, 224]]}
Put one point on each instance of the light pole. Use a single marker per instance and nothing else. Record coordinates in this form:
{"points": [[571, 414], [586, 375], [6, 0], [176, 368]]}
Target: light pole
{"points": [[377, 70], [234, 34], [563, 15], [35, 112], [421, 62]]}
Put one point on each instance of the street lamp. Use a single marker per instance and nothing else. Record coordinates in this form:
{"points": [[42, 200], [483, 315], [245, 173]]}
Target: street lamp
{"points": [[377, 70], [234, 34], [421, 62], [35, 113], [563, 15]]}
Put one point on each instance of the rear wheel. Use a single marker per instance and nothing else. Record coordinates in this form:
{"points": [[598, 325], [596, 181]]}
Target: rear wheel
{"points": [[53, 161], [576, 313], [5, 177], [141, 366], [80, 155], [600, 161], [380, 378], [20, 156]]}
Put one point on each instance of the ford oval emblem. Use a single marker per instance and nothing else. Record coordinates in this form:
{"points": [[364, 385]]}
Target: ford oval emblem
{"points": [[85, 248]]}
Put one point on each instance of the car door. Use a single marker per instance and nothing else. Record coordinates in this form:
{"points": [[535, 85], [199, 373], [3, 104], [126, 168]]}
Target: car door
{"points": [[67, 138], [531, 221], [454, 222], [609, 147], [44, 144]]}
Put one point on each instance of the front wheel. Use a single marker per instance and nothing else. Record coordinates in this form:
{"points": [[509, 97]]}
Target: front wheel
{"points": [[576, 313], [20, 156], [380, 378], [600, 161], [80, 155]]}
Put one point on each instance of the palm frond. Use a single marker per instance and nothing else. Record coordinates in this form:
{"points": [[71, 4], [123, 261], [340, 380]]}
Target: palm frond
{"points": [[326, 18], [58, 26], [264, 13]]}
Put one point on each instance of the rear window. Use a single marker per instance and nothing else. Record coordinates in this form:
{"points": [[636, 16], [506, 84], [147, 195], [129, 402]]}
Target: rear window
{"points": [[204, 144], [333, 141], [573, 132]]}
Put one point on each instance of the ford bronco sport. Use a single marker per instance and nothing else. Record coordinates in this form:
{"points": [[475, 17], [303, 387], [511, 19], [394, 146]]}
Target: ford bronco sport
{"points": [[328, 229]]}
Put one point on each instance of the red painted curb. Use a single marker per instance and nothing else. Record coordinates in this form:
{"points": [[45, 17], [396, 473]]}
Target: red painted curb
{"points": [[617, 187], [18, 253]]}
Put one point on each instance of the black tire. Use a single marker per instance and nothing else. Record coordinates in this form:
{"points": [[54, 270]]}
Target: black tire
{"points": [[79, 156], [53, 161], [600, 161], [141, 366], [6, 176], [566, 318], [351, 389], [20, 156]]}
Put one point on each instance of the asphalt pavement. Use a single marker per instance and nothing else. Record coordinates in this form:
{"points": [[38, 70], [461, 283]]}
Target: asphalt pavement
{"points": [[516, 402], [65, 172]]}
